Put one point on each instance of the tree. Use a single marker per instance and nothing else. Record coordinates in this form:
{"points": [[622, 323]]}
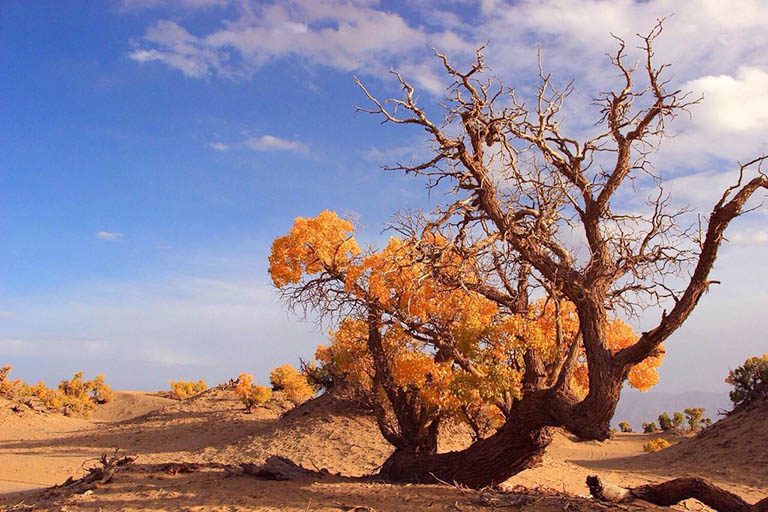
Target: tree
{"points": [[694, 417], [624, 426], [650, 428], [750, 380], [520, 189]]}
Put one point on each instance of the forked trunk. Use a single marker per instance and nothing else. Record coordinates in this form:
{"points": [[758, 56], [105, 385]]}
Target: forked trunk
{"points": [[489, 461]]}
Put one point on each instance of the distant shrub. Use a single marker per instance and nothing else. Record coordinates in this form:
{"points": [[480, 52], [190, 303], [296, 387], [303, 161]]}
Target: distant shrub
{"points": [[73, 397], [624, 426], [694, 417], [650, 428], [665, 422], [750, 380], [655, 445], [183, 389], [251, 395], [287, 379], [79, 397]]}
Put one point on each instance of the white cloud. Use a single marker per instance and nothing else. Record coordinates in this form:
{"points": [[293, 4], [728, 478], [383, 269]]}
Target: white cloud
{"points": [[264, 143], [347, 35], [749, 237], [270, 142], [109, 235], [733, 103]]}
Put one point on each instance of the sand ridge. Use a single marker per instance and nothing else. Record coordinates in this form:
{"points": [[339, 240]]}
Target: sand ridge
{"points": [[213, 431]]}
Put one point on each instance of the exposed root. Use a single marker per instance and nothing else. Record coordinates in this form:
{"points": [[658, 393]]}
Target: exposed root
{"points": [[674, 491]]}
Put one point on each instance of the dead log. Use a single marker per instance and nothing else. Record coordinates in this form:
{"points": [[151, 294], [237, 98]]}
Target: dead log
{"points": [[674, 491], [281, 468]]}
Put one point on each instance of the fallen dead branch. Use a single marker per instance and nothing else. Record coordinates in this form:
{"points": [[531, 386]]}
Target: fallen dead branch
{"points": [[281, 468], [674, 491], [95, 475]]}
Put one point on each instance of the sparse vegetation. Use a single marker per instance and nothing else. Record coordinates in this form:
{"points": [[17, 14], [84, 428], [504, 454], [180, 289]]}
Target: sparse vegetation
{"points": [[750, 380], [293, 384], [694, 418], [73, 397], [655, 445], [624, 426], [183, 389], [251, 395], [650, 428]]}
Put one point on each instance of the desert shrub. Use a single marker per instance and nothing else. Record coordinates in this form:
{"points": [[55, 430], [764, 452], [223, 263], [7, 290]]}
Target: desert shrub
{"points": [[655, 445], [251, 395], [750, 380], [624, 426], [694, 417], [183, 389], [706, 422], [73, 397], [665, 422], [287, 379], [650, 428]]}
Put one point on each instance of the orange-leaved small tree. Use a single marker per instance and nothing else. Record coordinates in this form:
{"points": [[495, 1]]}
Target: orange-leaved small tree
{"points": [[287, 379], [252, 395]]}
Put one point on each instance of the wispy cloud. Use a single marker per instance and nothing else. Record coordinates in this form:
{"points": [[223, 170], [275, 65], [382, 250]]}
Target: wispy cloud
{"points": [[264, 143], [112, 236]]}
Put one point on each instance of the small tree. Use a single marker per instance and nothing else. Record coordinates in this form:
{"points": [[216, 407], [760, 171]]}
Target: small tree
{"points": [[624, 426], [665, 422], [287, 379], [750, 380], [677, 421], [252, 395], [650, 428], [694, 417]]}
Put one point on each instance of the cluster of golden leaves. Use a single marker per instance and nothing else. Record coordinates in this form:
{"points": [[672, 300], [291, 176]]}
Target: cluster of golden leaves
{"points": [[252, 395], [183, 389], [396, 278], [73, 397], [293, 384]]}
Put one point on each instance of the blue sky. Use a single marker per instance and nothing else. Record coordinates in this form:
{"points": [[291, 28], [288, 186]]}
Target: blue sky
{"points": [[152, 149]]}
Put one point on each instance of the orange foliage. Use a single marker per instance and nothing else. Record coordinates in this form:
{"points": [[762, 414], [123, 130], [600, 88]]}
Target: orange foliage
{"points": [[74, 397], [311, 243], [397, 280], [287, 379], [250, 394], [182, 389]]}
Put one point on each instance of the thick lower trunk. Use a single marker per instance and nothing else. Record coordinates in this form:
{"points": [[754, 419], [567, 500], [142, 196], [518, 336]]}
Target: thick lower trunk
{"points": [[489, 461]]}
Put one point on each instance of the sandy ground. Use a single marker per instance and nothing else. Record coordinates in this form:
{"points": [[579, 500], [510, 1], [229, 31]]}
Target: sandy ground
{"points": [[39, 450]]}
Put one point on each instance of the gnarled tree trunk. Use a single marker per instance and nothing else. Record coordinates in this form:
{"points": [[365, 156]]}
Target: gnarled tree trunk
{"points": [[489, 461]]}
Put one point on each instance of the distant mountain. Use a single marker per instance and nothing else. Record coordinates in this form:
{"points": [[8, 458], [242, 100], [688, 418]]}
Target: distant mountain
{"points": [[636, 407]]}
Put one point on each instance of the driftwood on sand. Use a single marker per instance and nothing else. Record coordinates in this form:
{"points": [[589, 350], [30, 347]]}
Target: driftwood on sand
{"points": [[674, 491]]}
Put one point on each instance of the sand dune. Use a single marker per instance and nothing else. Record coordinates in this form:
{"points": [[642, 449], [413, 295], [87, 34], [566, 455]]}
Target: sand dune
{"points": [[213, 432]]}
